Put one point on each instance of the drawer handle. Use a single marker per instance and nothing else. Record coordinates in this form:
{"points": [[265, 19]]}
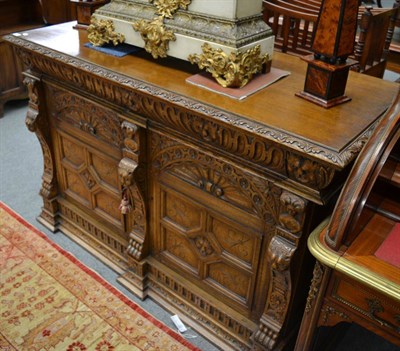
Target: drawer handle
{"points": [[375, 306], [211, 188], [87, 127]]}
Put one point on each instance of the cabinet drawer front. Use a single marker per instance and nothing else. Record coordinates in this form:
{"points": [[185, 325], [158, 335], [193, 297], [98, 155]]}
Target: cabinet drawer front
{"points": [[84, 118], [369, 303]]}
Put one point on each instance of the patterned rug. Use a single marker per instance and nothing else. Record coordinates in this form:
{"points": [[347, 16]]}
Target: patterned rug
{"points": [[51, 301]]}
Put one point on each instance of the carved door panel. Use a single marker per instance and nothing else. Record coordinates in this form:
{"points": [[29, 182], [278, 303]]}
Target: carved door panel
{"points": [[87, 139], [205, 223]]}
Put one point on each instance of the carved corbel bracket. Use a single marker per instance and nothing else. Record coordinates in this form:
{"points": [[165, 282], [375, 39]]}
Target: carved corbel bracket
{"points": [[36, 122], [291, 216], [280, 253], [133, 198]]}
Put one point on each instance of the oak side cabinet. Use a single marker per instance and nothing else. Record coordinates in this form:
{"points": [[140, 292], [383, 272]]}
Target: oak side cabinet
{"points": [[199, 201]]}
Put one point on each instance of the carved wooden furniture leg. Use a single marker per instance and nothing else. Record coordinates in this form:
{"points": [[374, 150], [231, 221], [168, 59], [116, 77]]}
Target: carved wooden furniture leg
{"points": [[36, 121]]}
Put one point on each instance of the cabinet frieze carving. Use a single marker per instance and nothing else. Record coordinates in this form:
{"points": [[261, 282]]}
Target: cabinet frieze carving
{"points": [[153, 102]]}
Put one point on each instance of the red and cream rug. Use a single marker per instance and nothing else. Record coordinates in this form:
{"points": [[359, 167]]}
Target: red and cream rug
{"points": [[51, 301]]}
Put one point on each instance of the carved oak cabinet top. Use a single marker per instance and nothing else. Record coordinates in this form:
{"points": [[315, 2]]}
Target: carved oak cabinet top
{"points": [[275, 114]]}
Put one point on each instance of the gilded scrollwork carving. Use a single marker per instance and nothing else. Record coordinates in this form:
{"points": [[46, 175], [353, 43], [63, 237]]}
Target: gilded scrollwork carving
{"points": [[234, 70], [167, 8], [329, 311], [155, 35], [102, 32]]}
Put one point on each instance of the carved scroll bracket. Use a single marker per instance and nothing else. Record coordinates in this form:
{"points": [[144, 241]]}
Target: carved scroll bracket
{"points": [[291, 217], [133, 195], [280, 253], [37, 123]]}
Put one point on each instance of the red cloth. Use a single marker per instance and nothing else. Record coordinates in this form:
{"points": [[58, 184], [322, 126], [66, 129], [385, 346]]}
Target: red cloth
{"points": [[389, 251]]}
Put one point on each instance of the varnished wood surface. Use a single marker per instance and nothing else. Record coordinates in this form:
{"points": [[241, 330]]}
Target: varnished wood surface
{"points": [[276, 106], [362, 251]]}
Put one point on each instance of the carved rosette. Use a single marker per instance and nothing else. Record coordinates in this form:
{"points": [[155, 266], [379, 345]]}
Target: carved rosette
{"points": [[36, 123], [234, 70], [132, 184], [102, 32]]}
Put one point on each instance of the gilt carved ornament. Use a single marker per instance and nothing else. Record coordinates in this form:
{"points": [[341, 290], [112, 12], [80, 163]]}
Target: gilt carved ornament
{"points": [[102, 32]]}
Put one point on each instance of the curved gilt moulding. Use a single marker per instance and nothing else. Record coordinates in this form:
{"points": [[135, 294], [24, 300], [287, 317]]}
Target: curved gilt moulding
{"points": [[234, 70], [102, 32], [121, 89]]}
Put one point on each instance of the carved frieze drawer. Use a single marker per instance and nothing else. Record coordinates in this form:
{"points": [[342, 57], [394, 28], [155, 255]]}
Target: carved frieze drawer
{"points": [[83, 117], [364, 301]]}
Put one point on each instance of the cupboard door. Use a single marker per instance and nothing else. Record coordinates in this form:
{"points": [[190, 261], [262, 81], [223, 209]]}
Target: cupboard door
{"points": [[87, 141], [205, 225]]}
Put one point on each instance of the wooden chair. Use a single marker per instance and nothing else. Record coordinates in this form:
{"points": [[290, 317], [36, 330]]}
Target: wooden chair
{"points": [[293, 29], [293, 24], [353, 281], [372, 46]]}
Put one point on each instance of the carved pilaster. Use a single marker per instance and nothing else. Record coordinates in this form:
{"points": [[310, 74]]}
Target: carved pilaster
{"points": [[37, 123], [280, 253], [132, 180]]}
